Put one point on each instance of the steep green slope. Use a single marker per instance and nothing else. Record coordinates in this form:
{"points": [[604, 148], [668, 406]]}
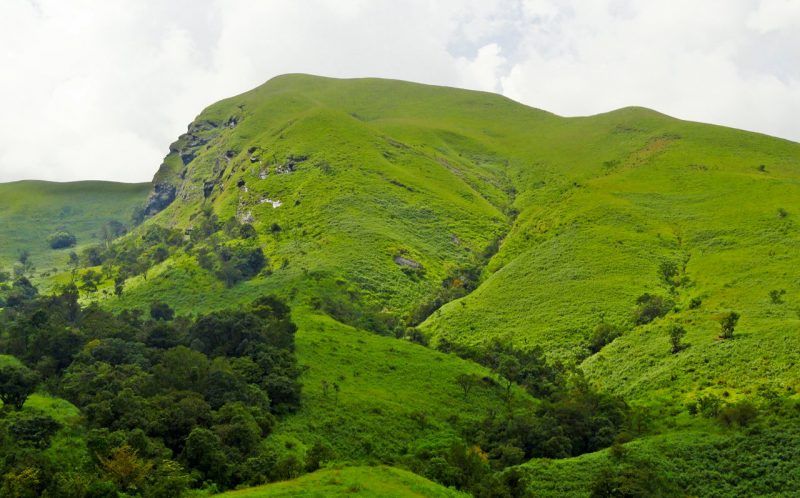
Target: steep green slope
{"points": [[351, 481], [32, 210], [695, 195], [389, 397]]}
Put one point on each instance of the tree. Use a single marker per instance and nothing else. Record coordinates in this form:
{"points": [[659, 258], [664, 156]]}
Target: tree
{"points": [[668, 271], [728, 323], [17, 382], [125, 467], [161, 311], [74, 262], [676, 334], [119, 285], [204, 452], [89, 280], [649, 307], [24, 265], [602, 335], [509, 367], [466, 382], [61, 240], [33, 428]]}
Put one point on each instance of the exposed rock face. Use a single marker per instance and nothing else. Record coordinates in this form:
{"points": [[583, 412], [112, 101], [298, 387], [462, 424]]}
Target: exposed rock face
{"points": [[172, 173], [208, 188], [162, 196], [410, 263]]}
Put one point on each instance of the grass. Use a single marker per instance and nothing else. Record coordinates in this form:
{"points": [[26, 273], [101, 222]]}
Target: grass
{"points": [[392, 394], [379, 481], [32, 210], [759, 462]]}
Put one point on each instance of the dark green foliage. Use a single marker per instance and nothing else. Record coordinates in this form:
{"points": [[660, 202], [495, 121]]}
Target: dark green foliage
{"points": [[61, 239], [161, 311], [668, 271], [634, 479], [31, 428], [649, 307], [728, 323], [602, 335], [527, 368], [676, 335], [21, 291], [776, 296], [162, 397], [17, 382], [741, 414], [457, 284]]}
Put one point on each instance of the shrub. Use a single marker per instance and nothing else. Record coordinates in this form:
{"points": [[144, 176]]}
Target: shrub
{"points": [[708, 406], [649, 307], [602, 335], [776, 296], [61, 240], [676, 334], [161, 311], [728, 323], [668, 271], [741, 413]]}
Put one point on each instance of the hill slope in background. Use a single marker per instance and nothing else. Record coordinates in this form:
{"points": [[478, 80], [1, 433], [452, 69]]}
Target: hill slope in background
{"points": [[376, 202], [351, 481], [32, 210]]}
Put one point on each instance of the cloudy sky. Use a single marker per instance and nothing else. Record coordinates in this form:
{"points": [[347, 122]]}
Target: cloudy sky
{"points": [[98, 89]]}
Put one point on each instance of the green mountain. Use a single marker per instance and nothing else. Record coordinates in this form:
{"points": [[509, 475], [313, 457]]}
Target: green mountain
{"points": [[408, 225]]}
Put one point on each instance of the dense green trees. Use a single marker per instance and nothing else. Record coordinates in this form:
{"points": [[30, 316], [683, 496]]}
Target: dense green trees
{"points": [[167, 401]]}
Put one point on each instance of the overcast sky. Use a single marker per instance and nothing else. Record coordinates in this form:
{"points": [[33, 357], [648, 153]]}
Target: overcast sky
{"points": [[99, 89]]}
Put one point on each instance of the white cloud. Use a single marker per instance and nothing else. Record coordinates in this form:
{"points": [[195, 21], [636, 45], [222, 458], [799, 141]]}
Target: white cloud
{"points": [[98, 89]]}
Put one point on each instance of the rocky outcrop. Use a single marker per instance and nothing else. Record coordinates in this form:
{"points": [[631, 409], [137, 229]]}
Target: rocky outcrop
{"points": [[162, 196]]}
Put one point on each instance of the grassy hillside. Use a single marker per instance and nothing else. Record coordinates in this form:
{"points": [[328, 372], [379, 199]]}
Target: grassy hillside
{"points": [[393, 396], [709, 199], [374, 202], [32, 210], [351, 481]]}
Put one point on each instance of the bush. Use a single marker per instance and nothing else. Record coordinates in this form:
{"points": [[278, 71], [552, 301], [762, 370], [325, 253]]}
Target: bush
{"points": [[676, 334], [776, 296], [741, 413], [602, 335], [649, 307], [728, 323], [61, 240]]}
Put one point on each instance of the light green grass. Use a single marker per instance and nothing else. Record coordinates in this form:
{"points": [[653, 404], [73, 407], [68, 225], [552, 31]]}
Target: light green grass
{"points": [[393, 394], [378, 482]]}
